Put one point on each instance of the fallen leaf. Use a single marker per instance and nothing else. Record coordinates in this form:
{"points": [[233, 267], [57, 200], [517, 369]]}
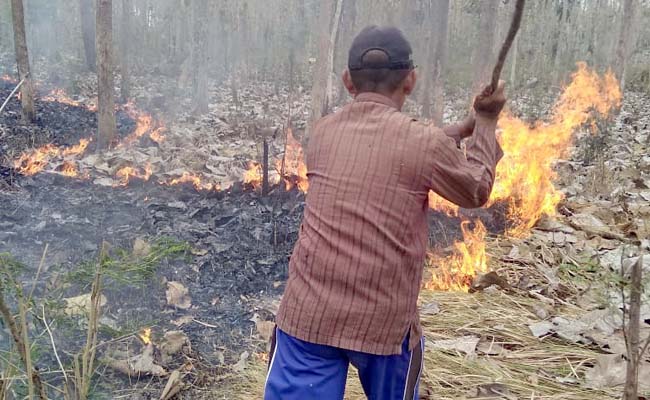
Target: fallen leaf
{"points": [[141, 248], [484, 281], [264, 328], [464, 344], [185, 319], [431, 308], [240, 366], [80, 305], [142, 364], [491, 391], [173, 342], [177, 295]]}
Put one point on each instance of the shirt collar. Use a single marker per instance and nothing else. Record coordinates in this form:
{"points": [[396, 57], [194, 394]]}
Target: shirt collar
{"points": [[375, 98]]}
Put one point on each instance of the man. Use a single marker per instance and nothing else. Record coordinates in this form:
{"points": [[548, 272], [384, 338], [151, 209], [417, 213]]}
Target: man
{"points": [[356, 269]]}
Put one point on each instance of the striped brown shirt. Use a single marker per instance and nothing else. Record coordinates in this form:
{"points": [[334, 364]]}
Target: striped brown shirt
{"points": [[356, 270]]}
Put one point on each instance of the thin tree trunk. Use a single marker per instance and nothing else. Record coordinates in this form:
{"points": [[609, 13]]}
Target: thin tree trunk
{"points": [[483, 52], [633, 330], [22, 59], [88, 33], [125, 56], [106, 103], [624, 40], [441, 18], [322, 87], [199, 56]]}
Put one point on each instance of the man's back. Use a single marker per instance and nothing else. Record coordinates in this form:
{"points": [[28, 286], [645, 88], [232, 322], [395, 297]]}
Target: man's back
{"points": [[357, 265]]}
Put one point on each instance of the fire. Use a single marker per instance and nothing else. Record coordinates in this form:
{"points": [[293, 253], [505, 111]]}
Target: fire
{"points": [[33, 162], [455, 273], [195, 180], [60, 96], [157, 135], [292, 167], [525, 175], [145, 335], [143, 124], [69, 169], [253, 175], [126, 173], [440, 204]]}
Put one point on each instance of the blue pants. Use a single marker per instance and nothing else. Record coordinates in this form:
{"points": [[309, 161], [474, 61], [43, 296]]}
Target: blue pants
{"points": [[300, 370]]}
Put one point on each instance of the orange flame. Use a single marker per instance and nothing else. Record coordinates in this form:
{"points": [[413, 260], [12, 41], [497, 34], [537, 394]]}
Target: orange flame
{"points": [[157, 134], [30, 163], [455, 273], [439, 203], [525, 175], [145, 335], [253, 175], [69, 169], [60, 96], [143, 124], [195, 180], [295, 169], [126, 173]]}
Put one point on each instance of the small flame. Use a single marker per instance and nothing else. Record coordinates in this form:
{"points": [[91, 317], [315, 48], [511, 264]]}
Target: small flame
{"points": [[253, 175], [195, 180], [439, 203], [157, 135], [145, 335], [294, 168], [69, 169], [30, 163], [455, 273], [126, 173], [143, 123], [60, 96]]}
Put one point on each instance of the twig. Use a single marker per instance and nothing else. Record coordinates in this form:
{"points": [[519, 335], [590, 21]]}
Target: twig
{"points": [[56, 353], [38, 273], [12, 93], [512, 33]]}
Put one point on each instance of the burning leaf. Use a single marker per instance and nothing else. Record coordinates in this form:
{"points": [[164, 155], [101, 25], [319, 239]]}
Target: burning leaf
{"points": [[178, 295], [145, 335], [464, 344]]}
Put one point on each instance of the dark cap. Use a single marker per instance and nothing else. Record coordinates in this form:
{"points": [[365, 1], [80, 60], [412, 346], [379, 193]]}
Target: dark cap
{"points": [[387, 39]]}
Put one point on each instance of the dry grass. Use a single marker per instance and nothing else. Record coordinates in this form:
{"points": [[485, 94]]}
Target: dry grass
{"points": [[531, 368]]}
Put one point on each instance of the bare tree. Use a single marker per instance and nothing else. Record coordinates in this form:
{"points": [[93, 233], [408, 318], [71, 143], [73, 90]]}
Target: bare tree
{"points": [[88, 32], [22, 59], [624, 40], [200, 56], [330, 15], [106, 103], [483, 52], [125, 39]]}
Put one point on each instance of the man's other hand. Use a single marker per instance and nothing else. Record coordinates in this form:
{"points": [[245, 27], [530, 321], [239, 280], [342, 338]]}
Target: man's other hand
{"points": [[490, 104]]}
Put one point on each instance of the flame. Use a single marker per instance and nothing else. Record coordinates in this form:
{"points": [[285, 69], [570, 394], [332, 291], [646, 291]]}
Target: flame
{"points": [[69, 169], [60, 96], [293, 168], [439, 203], [143, 123], [30, 163], [253, 175], [195, 180], [157, 134], [126, 173], [525, 175], [145, 335], [455, 273]]}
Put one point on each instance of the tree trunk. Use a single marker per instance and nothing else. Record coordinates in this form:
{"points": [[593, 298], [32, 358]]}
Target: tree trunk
{"points": [[633, 330], [322, 87], [483, 54], [125, 56], [199, 56], [106, 104], [437, 62], [22, 59], [88, 33], [624, 41]]}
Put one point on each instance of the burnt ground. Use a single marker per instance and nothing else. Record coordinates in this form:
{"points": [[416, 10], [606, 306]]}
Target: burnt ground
{"points": [[240, 241]]}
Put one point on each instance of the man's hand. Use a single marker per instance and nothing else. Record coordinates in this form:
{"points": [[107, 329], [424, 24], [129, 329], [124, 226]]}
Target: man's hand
{"points": [[488, 104]]}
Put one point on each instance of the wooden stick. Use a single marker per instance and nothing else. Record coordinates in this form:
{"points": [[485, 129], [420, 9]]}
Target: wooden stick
{"points": [[633, 330], [512, 33], [12, 94], [265, 168]]}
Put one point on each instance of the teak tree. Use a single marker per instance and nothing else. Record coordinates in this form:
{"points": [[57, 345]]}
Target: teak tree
{"points": [[483, 52], [88, 32], [125, 39], [200, 56], [624, 40], [433, 101], [106, 103], [22, 59]]}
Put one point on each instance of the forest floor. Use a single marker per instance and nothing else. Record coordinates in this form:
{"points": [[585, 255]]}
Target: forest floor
{"points": [[193, 275]]}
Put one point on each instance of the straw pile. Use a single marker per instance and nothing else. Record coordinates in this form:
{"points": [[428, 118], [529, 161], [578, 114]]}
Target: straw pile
{"points": [[507, 355]]}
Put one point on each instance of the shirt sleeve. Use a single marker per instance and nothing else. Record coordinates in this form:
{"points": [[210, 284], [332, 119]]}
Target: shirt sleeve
{"points": [[465, 179]]}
